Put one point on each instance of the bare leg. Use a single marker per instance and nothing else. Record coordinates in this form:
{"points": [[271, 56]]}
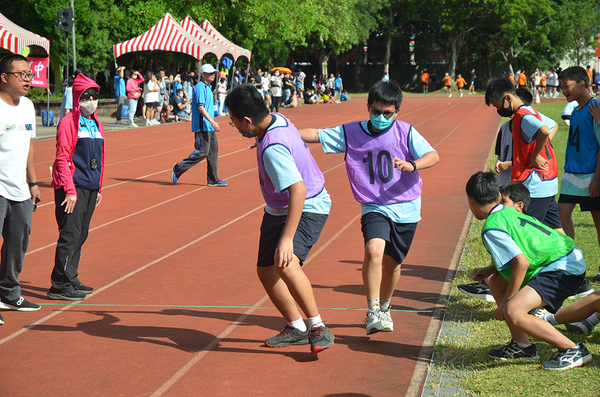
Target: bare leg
{"points": [[579, 310], [391, 276], [371, 270], [565, 210]]}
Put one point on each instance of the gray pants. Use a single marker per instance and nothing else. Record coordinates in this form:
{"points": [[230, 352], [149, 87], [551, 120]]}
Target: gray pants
{"points": [[207, 147], [16, 226], [120, 103]]}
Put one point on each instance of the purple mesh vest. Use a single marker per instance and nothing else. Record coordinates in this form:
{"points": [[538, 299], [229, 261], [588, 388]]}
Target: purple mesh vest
{"points": [[283, 132], [372, 176]]}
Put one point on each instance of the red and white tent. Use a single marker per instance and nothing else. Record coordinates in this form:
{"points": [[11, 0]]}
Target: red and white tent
{"points": [[214, 33], [14, 38], [190, 26], [166, 35]]}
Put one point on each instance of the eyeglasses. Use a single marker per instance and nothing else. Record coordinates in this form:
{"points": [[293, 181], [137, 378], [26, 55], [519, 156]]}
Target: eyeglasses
{"points": [[86, 96], [231, 123], [24, 76], [379, 112]]}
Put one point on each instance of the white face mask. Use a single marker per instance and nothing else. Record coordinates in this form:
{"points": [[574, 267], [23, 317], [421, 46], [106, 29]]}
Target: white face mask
{"points": [[88, 108]]}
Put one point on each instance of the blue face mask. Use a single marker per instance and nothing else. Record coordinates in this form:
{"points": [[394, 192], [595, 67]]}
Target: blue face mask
{"points": [[381, 122]]}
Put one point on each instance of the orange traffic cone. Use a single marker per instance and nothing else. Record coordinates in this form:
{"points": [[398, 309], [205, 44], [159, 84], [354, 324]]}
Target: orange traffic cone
{"points": [[537, 96]]}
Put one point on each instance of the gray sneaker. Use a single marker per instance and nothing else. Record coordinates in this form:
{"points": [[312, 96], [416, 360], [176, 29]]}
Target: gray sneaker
{"points": [[373, 322], [580, 327], [320, 339], [386, 320], [514, 351], [538, 312], [288, 336], [568, 358]]}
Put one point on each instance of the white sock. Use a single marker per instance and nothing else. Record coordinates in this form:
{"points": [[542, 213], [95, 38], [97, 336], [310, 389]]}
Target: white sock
{"points": [[373, 304], [523, 345], [385, 304], [593, 319], [315, 322], [550, 318], [298, 324]]}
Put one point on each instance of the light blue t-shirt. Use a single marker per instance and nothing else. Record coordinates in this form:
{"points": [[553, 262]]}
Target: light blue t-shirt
{"points": [[538, 187], [119, 86], [203, 95], [282, 170], [333, 140], [67, 102], [503, 249]]}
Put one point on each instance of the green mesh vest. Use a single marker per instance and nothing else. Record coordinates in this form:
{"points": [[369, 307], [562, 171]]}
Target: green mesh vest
{"points": [[540, 244]]}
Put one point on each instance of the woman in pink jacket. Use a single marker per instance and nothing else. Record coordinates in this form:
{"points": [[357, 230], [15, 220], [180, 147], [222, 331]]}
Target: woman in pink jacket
{"points": [[77, 180]]}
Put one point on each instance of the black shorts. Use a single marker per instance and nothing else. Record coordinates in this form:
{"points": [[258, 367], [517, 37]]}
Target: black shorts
{"points": [[585, 203], [545, 210], [398, 236], [153, 105], [555, 287], [307, 234]]}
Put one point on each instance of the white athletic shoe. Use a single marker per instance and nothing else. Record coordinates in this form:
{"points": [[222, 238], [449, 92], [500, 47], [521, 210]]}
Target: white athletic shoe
{"points": [[386, 320], [373, 322]]}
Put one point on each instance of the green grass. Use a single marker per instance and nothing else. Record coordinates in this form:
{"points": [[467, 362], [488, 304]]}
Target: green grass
{"points": [[467, 358]]}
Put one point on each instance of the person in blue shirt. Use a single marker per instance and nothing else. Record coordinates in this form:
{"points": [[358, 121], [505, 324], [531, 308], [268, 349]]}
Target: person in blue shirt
{"points": [[120, 92], [204, 127]]}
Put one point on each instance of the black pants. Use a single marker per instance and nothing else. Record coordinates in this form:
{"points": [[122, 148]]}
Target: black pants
{"points": [[73, 231], [207, 147], [275, 103]]}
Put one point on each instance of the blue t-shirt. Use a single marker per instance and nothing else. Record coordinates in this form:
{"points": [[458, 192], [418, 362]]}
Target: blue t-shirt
{"points": [[538, 187], [338, 82], [283, 172], [333, 140], [203, 96], [119, 86]]}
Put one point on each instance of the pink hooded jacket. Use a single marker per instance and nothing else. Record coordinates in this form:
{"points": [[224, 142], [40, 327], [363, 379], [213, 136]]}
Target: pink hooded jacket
{"points": [[66, 140]]}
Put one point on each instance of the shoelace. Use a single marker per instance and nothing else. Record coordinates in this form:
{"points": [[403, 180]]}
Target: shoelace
{"points": [[287, 330], [315, 333]]}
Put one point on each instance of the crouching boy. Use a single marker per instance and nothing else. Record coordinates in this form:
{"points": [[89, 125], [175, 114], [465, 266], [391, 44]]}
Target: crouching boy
{"points": [[533, 266]]}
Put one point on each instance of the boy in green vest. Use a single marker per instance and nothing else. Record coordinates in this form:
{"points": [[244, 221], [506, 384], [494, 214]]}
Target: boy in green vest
{"points": [[533, 266]]}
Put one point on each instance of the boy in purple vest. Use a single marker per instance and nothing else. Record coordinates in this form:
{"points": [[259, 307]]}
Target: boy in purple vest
{"points": [[297, 208], [382, 159]]}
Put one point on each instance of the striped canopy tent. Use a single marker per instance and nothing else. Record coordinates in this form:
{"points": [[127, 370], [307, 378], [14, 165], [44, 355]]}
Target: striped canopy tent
{"points": [[14, 38], [214, 33], [166, 35], [190, 26]]}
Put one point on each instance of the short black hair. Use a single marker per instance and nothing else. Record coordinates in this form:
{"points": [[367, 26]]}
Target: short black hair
{"points": [[525, 95], [497, 88], [7, 61], [517, 192], [575, 73], [245, 101], [483, 187], [388, 93]]}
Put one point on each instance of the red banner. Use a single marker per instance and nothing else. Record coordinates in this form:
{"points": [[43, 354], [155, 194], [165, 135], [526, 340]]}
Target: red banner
{"points": [[39, 67]]}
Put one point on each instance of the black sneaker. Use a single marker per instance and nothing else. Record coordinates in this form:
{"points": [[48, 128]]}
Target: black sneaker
{"points": [[19, 304], [1, 320], [83, 288], [65, 295], [320, 339], [514, 351], [597, 277], [584, 290], [478, 290], [568, 358], [288, 336]]}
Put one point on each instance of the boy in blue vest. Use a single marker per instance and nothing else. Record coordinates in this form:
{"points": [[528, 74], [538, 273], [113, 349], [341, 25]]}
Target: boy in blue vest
{"points": [[297, 207], [533, 266], [580, 183], [382, 159]]}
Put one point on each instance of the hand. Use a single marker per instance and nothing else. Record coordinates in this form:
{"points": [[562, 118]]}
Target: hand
{"points": [[252, 146], [498, 314], [497, 166], [215, 125], [69, 204], [98, 199], [594, 110], [35, 193], [284, 254], [402, 165], [479, 274], [539, 162]]}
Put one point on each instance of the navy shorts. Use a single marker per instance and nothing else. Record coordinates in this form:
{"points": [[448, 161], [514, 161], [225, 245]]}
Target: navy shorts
{"points": [[271, 229], [585, 203], [555, 287], [545, 210], [398, 236]]}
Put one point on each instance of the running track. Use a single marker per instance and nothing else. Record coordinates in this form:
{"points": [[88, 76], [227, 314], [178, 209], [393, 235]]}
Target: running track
{"points": [[178, 308]]}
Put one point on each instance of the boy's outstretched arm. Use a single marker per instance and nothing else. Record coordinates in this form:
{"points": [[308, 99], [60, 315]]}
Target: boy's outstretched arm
{"points": [[427, 161], [309, 135], [285, 250]]}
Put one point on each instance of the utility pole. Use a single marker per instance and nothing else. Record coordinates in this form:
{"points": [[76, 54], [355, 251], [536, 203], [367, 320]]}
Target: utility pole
{"points": [[73, 37]]}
